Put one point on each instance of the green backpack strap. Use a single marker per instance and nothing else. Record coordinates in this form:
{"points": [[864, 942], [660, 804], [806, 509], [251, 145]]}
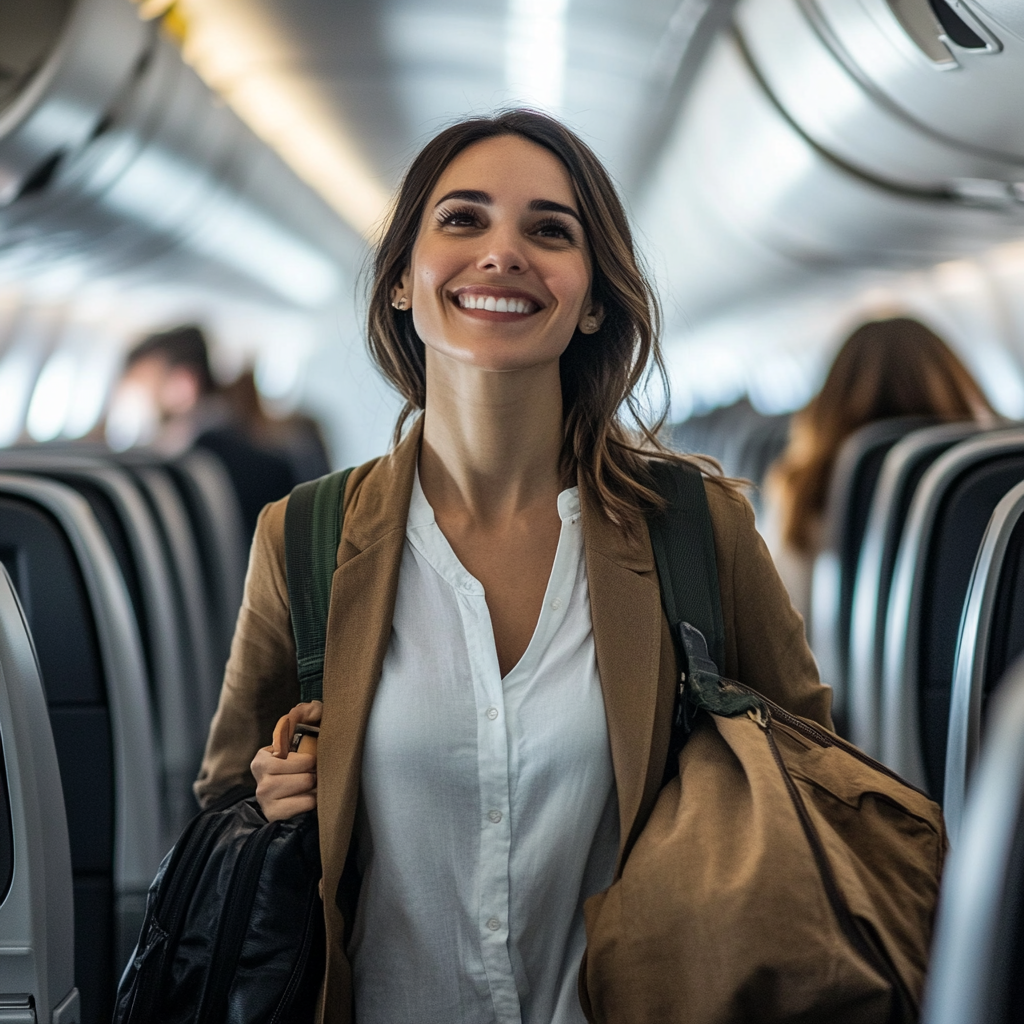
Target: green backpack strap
{"points": [[312, 532], [683, 540]]}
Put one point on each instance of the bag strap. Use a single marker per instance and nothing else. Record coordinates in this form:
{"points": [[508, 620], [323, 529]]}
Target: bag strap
{"points": [[683, 539], [684, 552], [312, 532]]}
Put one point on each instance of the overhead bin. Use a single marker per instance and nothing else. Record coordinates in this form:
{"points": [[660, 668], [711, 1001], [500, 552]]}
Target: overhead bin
{"points": [[836, 135], [116, 158]]}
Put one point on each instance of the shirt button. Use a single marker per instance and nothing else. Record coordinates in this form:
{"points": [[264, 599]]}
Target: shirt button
{"points": [[494, 816], [556, 604], [494, 924], [492, 713]]}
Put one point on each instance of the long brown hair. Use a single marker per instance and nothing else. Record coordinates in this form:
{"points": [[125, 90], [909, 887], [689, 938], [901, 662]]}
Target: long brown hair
{"points": [[886, 368], [601, 373]]}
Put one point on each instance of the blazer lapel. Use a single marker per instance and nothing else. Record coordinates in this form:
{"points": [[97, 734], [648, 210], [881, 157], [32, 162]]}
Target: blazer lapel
{"points": [[625, 607], [358, 631]]}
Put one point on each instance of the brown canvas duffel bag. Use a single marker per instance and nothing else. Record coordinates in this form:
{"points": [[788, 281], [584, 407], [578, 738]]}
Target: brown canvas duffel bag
{"points": [[783, 875]]}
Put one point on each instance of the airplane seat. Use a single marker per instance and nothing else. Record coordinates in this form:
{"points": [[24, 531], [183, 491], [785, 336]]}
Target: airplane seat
{"points": [[93, 675], [216, 518], [134, 537], [991, 639], [975, 972], [37, 934], [182, 551], [902, 469], [934, 563], [851, 488]]}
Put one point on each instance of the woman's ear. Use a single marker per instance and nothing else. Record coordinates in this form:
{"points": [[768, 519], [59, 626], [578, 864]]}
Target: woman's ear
{"points": [[593, 317], [401, 294]]}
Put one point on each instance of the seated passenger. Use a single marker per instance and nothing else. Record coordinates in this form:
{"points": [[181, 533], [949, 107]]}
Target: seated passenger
{"points": [[496, 628], [886, 368], [167, 378]]}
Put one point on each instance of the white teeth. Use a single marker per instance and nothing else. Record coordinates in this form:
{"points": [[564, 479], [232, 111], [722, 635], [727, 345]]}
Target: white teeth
{"points": [[502, 305]]}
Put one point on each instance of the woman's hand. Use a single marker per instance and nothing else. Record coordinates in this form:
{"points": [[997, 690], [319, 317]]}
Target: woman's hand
{"points": [[286, 779]]}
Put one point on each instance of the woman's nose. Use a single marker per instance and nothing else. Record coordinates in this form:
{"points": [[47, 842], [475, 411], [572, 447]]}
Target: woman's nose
{"points": [[502, 254]]}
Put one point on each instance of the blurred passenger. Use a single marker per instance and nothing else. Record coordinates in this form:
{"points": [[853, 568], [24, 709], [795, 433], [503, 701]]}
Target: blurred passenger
{"points": [[297, 437], [167, 382], [886, 368]]}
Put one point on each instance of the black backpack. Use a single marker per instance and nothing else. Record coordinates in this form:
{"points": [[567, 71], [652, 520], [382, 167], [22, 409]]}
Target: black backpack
{"points": [[234, 925]]}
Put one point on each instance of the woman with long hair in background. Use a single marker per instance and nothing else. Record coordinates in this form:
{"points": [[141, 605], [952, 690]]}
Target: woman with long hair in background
{"points": [[884, 369]]}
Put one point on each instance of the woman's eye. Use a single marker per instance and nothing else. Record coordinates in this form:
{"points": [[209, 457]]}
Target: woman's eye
{"points": [[555, 229], [458, 218]]}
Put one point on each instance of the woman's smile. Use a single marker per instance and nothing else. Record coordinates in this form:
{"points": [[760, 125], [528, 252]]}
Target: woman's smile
{"points": [[495, 304]]}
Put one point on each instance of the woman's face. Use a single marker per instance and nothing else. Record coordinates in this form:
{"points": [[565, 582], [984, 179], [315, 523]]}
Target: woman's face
{"points": [[500, 272]]}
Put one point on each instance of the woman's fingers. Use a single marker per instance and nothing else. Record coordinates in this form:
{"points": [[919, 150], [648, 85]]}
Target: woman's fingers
{"points": [[267, 763], [284, 786], [282, 810], [308, 713]]}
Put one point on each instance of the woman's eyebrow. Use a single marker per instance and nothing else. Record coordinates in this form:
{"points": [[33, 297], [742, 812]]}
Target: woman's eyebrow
{"points": [[467, 195], [550, 206]]}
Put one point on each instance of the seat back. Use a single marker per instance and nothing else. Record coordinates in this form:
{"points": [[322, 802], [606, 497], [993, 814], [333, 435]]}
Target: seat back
{"points": [[37, 940], [976, 972], [902, 469], [134, 537], [97, 695], [216, 519], [991, 638], [194, 609], [852, 486], [945, 526]]}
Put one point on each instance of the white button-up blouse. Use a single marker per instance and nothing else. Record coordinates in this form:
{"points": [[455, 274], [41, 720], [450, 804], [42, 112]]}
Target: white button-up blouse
{"points": [[488, 811]]}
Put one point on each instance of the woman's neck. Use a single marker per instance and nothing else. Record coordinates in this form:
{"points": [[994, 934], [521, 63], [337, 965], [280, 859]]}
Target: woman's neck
{"points": [[491, 441]]}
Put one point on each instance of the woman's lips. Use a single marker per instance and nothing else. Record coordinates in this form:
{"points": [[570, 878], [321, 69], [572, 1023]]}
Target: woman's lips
{"points": [[495, 304]]}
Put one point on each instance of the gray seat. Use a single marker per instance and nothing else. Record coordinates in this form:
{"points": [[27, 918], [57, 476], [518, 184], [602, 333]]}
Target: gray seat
{"points": [[902, 470], [99, 705], [183, 555], [945, 526], [216, 521], [37, 941], [991, 637], [851, 488], [975, 975], [136, 541]]}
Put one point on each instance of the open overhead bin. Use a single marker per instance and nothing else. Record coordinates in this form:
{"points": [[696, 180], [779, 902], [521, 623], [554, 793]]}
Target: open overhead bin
{"points": [[823, 137]]}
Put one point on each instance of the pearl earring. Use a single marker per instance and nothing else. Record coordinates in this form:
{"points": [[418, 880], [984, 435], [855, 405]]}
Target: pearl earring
{"points": [[589, 324], [402, 303]]}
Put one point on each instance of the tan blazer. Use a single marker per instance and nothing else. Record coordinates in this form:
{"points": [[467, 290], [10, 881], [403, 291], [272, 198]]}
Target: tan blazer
{"points": [[765, 648]]}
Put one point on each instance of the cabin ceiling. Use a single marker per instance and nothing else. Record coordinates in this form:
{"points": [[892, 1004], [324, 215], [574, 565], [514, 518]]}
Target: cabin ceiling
{"points": [[382, 76]]}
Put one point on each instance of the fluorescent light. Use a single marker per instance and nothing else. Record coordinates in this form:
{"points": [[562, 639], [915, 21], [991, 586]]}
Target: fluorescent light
{"points": [[535, 53], [239, 57], [17, 375], [51, 399], [231, 231]]}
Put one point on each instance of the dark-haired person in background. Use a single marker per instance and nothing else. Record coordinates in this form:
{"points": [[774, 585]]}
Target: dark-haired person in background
{"points": [[171, 372], [885, 368]]}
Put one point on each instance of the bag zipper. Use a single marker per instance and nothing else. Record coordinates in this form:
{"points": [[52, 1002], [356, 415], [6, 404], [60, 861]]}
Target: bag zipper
{"points": [[299, 970], [168, 915], [822, 738], [857, 939], [234, 923]]}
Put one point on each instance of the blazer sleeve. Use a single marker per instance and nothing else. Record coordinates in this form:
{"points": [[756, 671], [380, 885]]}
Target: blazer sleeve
{"points": [[261, 680], [765, 641]]}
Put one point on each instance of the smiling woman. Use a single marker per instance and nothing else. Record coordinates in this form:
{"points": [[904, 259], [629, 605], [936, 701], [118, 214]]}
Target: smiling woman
{"points": [[499, 675]]}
